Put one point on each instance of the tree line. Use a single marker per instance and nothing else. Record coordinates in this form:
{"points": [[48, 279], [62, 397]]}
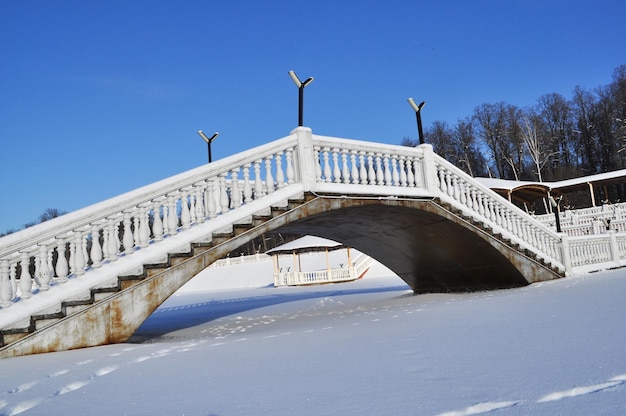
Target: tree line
{"points": [[555, 139]]}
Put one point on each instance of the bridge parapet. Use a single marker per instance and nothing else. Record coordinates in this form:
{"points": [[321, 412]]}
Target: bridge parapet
{"points": [[45, 255], [418, 171], [33, 260]]}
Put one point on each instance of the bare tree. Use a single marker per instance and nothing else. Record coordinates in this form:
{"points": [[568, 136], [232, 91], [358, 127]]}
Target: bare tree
{"points": [[539, 155]]}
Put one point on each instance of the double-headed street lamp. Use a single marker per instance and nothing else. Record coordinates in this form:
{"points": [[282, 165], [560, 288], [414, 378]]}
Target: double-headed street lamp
{"points": [[418, 115], [208, 141], [300, 86]]}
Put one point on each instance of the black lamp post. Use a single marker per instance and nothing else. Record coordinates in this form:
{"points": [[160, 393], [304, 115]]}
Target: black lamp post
{"points": [[300, 86], [208, 141], [555, 208], [418, 115]]}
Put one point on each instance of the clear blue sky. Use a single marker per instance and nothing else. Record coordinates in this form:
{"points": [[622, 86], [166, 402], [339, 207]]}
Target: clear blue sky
{"points": [[101, 97]]}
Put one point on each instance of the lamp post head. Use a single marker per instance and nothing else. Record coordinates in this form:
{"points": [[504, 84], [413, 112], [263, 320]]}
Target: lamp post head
{"points": [[295, 79], [207, 139], [416, 107]]}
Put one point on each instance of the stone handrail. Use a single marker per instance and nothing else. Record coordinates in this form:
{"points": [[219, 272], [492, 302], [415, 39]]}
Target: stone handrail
{"points": [[343, 161], [33, 259], [458, 188]]}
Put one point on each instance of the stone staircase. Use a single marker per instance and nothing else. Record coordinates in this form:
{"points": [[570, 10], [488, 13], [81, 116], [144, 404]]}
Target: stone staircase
{"points": [[218, 245]]}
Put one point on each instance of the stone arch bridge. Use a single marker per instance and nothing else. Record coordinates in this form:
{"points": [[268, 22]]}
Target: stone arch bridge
{"points": [[91, 277]]}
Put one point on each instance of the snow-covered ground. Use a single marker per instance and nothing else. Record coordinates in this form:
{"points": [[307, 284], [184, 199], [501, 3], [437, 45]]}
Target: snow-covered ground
{"points": [[230, 344]]}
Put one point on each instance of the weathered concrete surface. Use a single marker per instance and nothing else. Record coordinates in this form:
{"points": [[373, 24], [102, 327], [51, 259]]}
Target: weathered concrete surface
{"points": [[430, 248], [427, 246]]}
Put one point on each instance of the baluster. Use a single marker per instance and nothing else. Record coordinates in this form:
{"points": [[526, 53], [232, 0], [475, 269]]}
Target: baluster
{"points": [[199, 192], [5, 285], [354, 170], [26, 280], [269, 179], [508, 219], [12, 280], [247, 186], [463, 197], [128, 237], [258, 182], [362, 168], [371, 171], [41, 269], [49, 261], [192, 206], [280, 176], [403, 175], [449, 183], [336, 170], [235, 193], [318, 164], [84, 245], [483, 210], [62, 268], [327, 170], [157, 223], [110, 244], [474, 206], [442, 179], [144, 228], [291, 174], [96, 249], [224, 199], [410, 176], [417, 169], [380, 175], [515, 224], [496, 212], [211, 205], [135, 224], [172, 216], [395, 175], [79, 258], [387, 170], [185, 214], [345, 169], [456, 192]]}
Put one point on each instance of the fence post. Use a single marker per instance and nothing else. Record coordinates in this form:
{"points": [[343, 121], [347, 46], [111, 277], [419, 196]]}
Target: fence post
{"points": [[429, 169], [306, 158], [614, 247], [565, 253]]}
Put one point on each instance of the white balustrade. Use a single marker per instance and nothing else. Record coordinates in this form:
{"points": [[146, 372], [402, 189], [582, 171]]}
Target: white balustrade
{"points": [[46, 255]]}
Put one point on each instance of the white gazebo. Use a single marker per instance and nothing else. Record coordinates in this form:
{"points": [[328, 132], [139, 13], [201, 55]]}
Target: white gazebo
{"points": [[314, 260]]}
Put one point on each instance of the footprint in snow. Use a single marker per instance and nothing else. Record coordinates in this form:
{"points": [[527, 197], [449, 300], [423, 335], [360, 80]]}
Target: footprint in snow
{"points": [[578, 391], [479, 408]]}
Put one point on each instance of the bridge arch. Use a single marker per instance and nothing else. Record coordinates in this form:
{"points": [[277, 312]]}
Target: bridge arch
{"points": [[427, 245]]}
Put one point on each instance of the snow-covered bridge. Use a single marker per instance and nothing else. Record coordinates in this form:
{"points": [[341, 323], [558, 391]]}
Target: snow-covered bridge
{"points": [[93, 276]]}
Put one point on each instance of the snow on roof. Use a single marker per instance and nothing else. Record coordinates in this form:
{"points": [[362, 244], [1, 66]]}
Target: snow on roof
{"points": [[510, 185], [494, 183], [305, 243]]}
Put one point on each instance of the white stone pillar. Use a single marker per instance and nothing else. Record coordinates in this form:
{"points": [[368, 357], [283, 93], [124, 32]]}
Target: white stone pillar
{"points": [[565, 254], [429, 169], [305, 169]]}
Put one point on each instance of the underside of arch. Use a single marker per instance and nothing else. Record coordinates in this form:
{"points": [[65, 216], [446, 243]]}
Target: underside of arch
{"points": [[428, 246]]}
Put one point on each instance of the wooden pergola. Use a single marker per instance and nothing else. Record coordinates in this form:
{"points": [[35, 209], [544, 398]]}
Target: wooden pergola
{"points": [[288, 269]]}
